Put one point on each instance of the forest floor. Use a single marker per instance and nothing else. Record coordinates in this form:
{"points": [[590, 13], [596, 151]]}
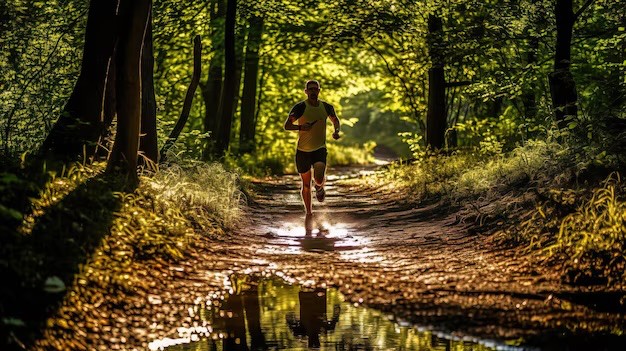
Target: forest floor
{"points": [[419, 263], [422, 264]]}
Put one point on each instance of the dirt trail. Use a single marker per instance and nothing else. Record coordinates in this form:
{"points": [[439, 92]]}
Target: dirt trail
{"points": [[416, 263], [419, 264]]}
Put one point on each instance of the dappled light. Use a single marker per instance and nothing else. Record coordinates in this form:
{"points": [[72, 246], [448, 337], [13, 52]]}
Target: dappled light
{"points": [[338, 175]]}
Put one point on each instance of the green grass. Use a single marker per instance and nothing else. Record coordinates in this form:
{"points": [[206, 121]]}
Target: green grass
{"points": [[469, 174], [592, 238], [542, 196], [88, 230]]}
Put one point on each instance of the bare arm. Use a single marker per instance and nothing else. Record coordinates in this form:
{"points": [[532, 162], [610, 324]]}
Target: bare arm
{"points": [[336, 125], [289, 123], [301, 127]]}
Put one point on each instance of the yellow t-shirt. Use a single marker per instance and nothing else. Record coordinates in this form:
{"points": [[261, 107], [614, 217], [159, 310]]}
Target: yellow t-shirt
{"points": [[315, 138]]}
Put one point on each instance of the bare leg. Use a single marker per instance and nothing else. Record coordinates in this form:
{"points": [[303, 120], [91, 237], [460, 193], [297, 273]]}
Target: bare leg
{"points": [[308, 224], [306, 191], [319, 171]]}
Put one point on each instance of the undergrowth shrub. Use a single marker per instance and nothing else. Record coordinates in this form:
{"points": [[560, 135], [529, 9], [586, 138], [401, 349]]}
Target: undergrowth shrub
{"points": [[343, 155], [468, 174], [431, 175], [535, 162], [592, 239], [202, 191], [156, 219], [547, 190], [270, 162]]}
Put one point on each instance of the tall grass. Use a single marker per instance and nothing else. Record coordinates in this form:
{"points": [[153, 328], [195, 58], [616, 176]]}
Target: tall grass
{"points": [[466, 174], [199, 190], [157, 218], [593, 238], [542, 198]]}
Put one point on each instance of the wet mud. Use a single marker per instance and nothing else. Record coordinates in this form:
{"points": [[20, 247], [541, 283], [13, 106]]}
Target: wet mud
{"points": [[416, 263]]}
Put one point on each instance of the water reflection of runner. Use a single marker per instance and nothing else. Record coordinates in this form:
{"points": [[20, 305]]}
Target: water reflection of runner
{"points": [[313, 320]]}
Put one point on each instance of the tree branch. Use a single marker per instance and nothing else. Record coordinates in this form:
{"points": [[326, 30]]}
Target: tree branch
{"points": [[404, 85], [582, 9], [195, 80]]}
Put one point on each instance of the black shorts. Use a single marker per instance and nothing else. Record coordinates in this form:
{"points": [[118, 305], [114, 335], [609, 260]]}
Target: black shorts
{"points": [[305, 160]]}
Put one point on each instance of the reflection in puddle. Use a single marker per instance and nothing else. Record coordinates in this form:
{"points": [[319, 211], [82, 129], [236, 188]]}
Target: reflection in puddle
{"points": [[318, 233], [276, 316]]}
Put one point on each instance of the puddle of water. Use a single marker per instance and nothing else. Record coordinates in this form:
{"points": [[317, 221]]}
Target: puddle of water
{"points": [[320, 233], [275, 316]]}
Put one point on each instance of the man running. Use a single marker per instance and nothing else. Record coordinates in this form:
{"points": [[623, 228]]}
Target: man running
{"points": [[310, 116]]}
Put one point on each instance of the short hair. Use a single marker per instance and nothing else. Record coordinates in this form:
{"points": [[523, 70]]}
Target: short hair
{"points": [[306, 85]]}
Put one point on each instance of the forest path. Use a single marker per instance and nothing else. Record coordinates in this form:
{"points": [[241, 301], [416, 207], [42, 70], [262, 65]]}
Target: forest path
{"points": [[417, 263]]}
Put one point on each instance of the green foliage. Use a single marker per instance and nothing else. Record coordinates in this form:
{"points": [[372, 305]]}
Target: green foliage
{"points": [[532, 163], [204, 193], [39, 62], [592, 239], [260, 164], [372, 59], [343, 155]]}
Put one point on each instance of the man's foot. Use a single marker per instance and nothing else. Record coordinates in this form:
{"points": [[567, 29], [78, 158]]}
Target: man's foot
{"points": [[320, 193]]}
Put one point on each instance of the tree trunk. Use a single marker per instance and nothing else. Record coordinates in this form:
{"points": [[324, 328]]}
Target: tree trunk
{"points": [[80, 123], [494, 108], [240, 39], [529, 99], [225, 110], [197, 70], [562, 85], [133, 20], [148, 146], [212, 89], [109, 110], [248, 98], [436, 115]]}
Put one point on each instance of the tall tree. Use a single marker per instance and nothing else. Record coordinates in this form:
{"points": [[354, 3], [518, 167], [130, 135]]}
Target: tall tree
{"points": [[529, 98], [227, 98], [133, 22], [148, 146], [251, 73], [562, 84], [240, 42], [109, 109], [436, 116], [195, 80], [211, 90], [81, 122]]}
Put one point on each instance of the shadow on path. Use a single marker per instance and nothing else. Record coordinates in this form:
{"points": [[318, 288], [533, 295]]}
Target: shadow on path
{"points": [[37, 265]]}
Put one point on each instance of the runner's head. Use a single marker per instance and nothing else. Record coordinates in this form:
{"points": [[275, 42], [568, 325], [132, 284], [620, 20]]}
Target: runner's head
{"points": [[312, 89]]}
